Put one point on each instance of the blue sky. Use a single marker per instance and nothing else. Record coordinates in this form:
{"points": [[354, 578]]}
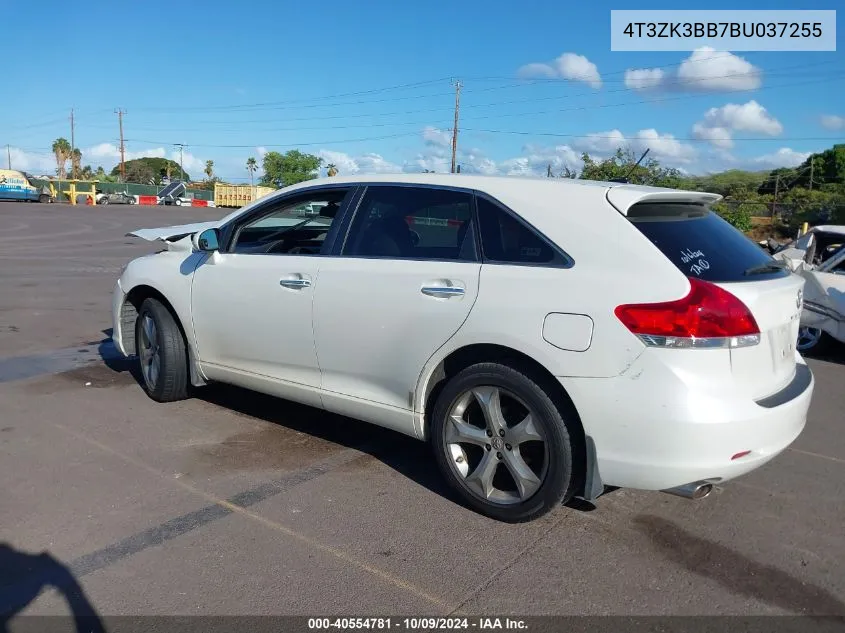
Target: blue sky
{"points": [[368, 86]]}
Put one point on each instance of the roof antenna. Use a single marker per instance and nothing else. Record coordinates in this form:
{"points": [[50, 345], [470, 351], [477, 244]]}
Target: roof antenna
{"points": [[625, 179]]}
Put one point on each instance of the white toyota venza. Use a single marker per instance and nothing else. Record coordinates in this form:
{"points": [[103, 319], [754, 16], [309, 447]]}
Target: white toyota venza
{"points": [[549, 337]]}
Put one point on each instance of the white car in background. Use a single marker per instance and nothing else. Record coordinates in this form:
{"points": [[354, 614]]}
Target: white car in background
{"points": [[548, 337], [819, 256]]}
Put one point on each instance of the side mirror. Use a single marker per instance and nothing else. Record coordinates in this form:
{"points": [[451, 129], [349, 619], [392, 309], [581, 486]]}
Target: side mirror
{"points": [[207, 241]]}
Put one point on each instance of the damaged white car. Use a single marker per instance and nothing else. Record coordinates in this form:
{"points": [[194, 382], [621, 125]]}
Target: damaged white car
{"points": [[819, 257]]}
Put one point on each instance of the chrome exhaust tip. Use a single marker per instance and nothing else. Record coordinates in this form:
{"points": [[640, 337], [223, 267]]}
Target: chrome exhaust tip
{"points": [[696, 490]]}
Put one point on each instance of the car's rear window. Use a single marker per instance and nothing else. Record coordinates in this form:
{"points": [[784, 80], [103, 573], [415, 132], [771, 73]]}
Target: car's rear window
{"points": [[701, 244]]}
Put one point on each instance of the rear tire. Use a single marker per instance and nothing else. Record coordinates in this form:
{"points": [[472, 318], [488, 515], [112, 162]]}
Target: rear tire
{"points": [[500, 463], [162, 353], [43, 198]]}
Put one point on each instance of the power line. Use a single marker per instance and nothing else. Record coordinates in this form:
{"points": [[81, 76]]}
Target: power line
{"points": [[676, 138], [253, 145]]}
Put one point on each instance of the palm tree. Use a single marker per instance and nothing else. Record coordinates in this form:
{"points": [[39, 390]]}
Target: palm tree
{"points": [[61, 149], [209, 168], [331, 169], [251, 167], [75, 163]]}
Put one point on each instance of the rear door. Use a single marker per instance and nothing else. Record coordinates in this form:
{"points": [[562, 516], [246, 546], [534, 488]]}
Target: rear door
{"points": [[702, 245], [405, 281]]}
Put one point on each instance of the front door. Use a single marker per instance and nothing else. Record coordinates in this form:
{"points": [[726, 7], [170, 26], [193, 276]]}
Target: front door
{"points": [[252, 301], [403, 284]]}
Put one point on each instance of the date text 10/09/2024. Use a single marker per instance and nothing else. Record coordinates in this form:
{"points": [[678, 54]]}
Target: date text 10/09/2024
{"points": [[416, 624]]}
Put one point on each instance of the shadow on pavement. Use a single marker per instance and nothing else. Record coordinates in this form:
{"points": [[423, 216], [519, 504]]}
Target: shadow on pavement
{"points": [[24, 576], [406, 455], [735, 572]]}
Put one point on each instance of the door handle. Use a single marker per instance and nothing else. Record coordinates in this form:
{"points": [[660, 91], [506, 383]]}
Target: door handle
{"points": [[295, 284], [442, 291]]}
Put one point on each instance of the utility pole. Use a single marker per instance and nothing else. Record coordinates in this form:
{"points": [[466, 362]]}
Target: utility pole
{"points": [[775, 200], [72, 147], [181, 146], [9, 155], [811, 172], [455, 128], [120, 114], [549, 171]]}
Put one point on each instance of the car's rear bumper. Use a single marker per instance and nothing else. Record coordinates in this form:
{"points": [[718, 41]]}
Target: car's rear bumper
{"points": [[660, 433]]}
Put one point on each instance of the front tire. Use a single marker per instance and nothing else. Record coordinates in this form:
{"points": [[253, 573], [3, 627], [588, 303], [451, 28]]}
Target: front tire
{"points": [[501, 443], [161, 352]]}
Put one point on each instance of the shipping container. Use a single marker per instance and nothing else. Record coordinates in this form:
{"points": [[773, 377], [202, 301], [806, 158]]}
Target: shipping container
{"points": [[238, 195]]}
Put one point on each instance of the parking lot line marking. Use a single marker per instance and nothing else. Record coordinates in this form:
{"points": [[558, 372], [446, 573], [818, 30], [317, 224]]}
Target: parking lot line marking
{"points": [[486, 583], [386, 576], [819, 455]]}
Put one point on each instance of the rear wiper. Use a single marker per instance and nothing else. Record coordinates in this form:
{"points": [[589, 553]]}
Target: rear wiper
{"points": [[765, 268]]}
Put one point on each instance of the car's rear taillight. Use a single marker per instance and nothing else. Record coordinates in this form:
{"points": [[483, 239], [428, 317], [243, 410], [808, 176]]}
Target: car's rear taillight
{"points": [[707, 317]]}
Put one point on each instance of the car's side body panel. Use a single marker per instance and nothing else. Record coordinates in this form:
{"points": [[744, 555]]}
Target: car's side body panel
{"points": [[257, 326]]}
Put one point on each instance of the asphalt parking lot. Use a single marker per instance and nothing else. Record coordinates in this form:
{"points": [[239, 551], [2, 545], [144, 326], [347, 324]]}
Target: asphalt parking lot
{"points": [[233, 503]]}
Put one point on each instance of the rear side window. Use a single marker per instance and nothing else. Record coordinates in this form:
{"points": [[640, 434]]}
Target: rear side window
{"points": [[703, 245], [507, 240]]}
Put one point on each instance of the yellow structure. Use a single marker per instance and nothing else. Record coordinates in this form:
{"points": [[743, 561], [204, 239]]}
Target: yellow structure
{"points": [[238, 195], [73, 188]]}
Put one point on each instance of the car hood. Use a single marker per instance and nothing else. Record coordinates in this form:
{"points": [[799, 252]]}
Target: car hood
{"points": [[172, 233]]}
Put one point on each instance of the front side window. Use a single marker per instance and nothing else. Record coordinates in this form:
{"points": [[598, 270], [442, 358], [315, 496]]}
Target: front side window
{"points": [[412, 223], [294, 226]]}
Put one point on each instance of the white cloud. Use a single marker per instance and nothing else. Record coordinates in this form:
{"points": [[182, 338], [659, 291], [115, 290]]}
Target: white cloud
{"points": [[536, 160], [437, 137], [832, 121], [567, 66], [535, 70], [261, 151], [705, 70], [36, 163], [369, 163], [644, 78], [784, 157], [719, 124], [664, 147], [109, 153], [718, 136]]}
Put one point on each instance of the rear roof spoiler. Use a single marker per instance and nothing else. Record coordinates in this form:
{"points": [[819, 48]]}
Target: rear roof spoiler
{"points": [[623, 197]]}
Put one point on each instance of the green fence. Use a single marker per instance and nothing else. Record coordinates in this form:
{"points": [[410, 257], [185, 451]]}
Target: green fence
{"points": [[132, 188]]}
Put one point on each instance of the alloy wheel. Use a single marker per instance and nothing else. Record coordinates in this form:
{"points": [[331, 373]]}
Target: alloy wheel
{"points": [[149, 351], [496, 445], [808, 337]]}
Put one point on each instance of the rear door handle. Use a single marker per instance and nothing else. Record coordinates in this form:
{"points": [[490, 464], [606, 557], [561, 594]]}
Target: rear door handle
{"points": [[442, 291], [295, 283]]}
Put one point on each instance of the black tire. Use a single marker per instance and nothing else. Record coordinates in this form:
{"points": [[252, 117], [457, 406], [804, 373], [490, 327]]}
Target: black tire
{"points": [[556, 486], [172, 378], [43, 198], [104, 201]]}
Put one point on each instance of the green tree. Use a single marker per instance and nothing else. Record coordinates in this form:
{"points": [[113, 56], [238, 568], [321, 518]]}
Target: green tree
{"points": [[251, 167], [622, 165], [75, 163], [149, 169], [283, 170], [209, 168], [740, 204], [61, 150]]}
